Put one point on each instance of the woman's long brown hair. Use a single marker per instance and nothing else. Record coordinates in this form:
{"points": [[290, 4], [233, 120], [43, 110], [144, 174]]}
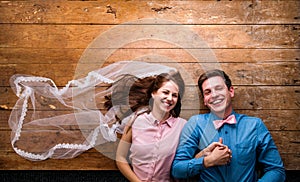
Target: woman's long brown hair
{"points": [[135, 93]]}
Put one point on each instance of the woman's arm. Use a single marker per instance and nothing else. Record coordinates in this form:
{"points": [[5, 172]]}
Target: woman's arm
{"points": [[121, 155], [208, 150], [212, 157]]}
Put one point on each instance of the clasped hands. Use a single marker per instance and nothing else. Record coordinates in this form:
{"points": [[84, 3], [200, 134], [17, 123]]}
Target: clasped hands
{"points": [[215, 154]]}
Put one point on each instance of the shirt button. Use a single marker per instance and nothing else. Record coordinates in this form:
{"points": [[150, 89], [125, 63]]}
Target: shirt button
{"points": [[226, 132]]}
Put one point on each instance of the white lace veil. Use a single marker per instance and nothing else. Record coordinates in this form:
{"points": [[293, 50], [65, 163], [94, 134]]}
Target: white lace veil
{"points": [[52, 122]]}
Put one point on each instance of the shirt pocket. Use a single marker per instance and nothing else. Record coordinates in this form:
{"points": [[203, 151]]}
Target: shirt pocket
{"points": [[245, 153]]}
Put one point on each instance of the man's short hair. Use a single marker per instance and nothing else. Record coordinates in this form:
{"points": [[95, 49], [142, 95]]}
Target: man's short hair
{"points": [[213, 73]]}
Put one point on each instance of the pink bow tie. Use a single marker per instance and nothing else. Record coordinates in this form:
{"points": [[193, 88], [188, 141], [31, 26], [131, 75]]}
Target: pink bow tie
{"points": [[229, 120]]}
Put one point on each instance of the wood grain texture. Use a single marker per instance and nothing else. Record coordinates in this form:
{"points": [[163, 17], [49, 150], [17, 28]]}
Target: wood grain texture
{"points": [[255, 42], [72, 56], [86, 161], [286, 142], [275, 120], [116, 12], [251, 74], [215, 36], [259, 97]]}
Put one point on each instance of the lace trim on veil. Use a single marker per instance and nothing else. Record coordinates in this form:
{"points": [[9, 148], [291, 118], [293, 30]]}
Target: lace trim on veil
{"points": [[108, 133], [26, 94]]}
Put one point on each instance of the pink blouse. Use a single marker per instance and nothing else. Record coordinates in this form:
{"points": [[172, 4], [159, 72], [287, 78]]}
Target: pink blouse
{"points": [[153, 146]]}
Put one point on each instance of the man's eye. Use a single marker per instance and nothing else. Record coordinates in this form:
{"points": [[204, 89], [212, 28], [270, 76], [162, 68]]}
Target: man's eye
{"points": [[206, 93], [219, 88]]}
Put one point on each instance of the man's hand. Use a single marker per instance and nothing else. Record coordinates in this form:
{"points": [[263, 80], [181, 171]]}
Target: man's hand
{"points": [[215, 154], [219, 156]]}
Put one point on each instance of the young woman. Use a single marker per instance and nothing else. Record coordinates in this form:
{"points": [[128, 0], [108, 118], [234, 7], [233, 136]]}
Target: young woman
{"points": [[152, 134], [52, 122]]}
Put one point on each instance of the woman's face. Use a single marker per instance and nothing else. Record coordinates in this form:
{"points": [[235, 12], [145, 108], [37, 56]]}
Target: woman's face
{"points": [[166, 97]]}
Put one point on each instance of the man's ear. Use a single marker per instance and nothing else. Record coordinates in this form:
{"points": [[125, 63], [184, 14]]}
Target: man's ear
{"points": [[231, 91]]}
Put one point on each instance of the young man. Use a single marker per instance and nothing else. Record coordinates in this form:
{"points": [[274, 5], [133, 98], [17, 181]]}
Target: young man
{"points": [[244, 142]]}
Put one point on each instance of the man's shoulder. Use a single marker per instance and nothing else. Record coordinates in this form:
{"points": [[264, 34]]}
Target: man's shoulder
{"points": [[244, 118], [198, 120], [247, 117], [195, 123], [198, 117]]}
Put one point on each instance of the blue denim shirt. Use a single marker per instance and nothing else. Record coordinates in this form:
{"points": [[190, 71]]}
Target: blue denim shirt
{"points": [[249, 140]]}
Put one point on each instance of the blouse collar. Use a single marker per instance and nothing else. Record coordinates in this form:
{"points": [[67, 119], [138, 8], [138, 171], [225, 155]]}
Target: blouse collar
{"points": [[170, 121]]}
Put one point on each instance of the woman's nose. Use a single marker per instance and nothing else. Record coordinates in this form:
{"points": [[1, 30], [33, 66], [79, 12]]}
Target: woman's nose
{"points": [[169, 96]]}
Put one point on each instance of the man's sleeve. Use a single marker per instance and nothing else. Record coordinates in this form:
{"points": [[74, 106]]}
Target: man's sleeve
{"points": [[184, 164], [269, 157]]}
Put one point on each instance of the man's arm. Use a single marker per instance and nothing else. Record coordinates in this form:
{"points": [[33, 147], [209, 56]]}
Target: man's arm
{"points": [[186, 162], [269, 157]]}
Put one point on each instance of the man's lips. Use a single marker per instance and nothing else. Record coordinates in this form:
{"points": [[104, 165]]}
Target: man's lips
{"points": [[215, 102]]}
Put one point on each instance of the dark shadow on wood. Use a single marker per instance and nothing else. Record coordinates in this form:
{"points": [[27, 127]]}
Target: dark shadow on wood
{"points": [[83, 176]]}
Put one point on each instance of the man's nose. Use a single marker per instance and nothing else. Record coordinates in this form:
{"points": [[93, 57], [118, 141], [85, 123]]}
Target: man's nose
{"points": [[214, 93]]}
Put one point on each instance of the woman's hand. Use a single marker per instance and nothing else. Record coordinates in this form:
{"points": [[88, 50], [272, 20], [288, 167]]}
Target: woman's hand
{"points": [[207, 151]]}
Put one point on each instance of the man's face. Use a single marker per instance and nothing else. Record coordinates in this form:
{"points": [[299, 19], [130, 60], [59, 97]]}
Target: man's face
{"points": [[217, 97]]}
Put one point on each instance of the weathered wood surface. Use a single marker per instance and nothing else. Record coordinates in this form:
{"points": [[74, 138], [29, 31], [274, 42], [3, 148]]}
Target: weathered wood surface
{"points": [[286, 141], [256, 42], [285, 137], [90, 160], [13, 56], [266, 73], [116, 12], [259, 97], [215, 36], [275, 120]]}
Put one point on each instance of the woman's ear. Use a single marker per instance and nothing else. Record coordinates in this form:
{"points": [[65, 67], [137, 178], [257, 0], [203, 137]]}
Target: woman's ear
{"points": [[152, 95]]}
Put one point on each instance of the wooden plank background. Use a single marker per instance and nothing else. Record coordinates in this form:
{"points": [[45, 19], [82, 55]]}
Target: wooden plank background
{"points": [[256, 42]]}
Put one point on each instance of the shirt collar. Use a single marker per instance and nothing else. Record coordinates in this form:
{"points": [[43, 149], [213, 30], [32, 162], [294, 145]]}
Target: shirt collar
{"points": [[215, 117], [170, 121]]}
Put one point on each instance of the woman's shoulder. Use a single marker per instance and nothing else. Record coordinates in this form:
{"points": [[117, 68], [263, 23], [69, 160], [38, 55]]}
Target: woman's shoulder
{"points": [[181, 119], [144, 120]]}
